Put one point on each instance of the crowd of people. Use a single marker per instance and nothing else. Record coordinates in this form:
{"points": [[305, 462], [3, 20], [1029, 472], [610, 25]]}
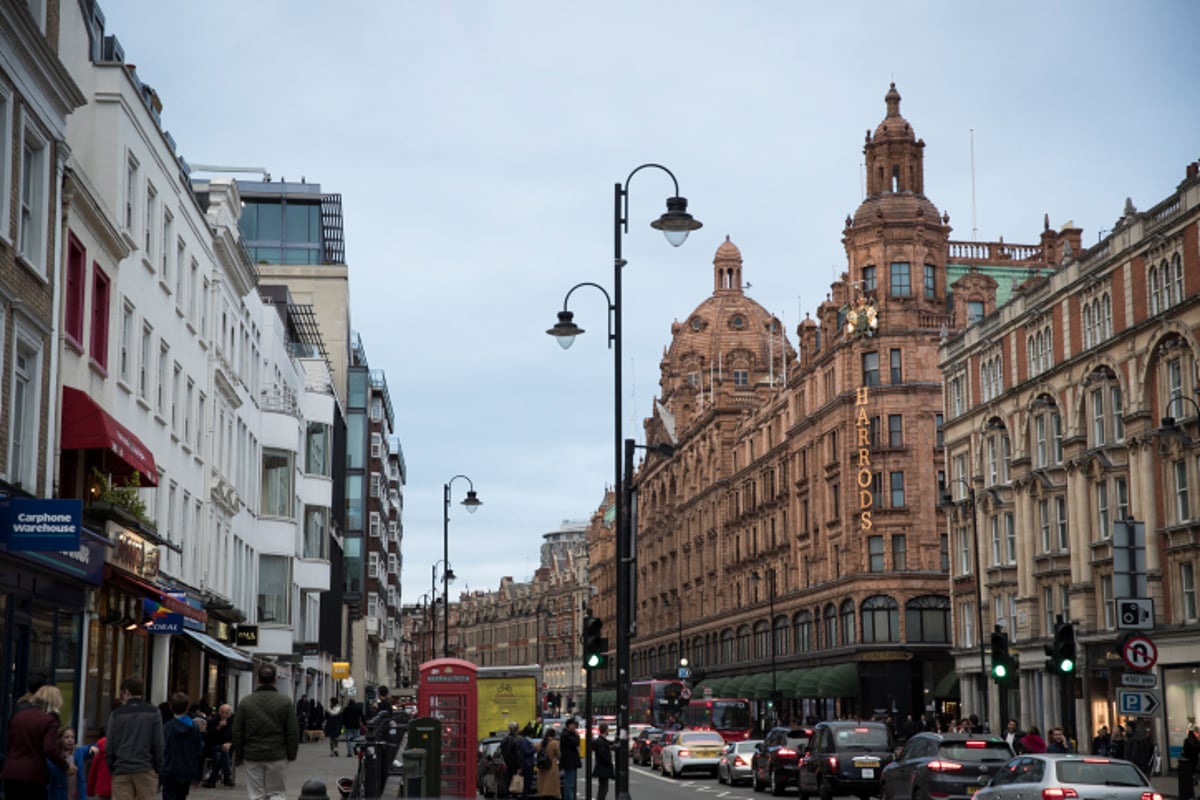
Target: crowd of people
{"points": [[557, 759]]}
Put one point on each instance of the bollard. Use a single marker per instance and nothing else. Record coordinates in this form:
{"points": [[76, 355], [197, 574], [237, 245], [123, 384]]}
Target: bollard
{"points": [[313, 790], [413, 782]]}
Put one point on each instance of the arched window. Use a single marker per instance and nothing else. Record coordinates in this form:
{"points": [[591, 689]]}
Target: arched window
{"points": [[1168, 287], [831, 633], [743, 643], [804, 632], [1177, 275], [762, 640], [780, 634], [1087, 325], [927, 619], [1155, 302], [880, 619], [849, 632], [727, 653]]}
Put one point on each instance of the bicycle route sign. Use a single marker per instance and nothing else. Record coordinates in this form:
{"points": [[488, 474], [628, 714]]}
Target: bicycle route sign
{"points": [[1138, 652]]}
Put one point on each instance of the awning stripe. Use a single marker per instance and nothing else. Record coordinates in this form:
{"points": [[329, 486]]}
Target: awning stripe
{"points": [[87, 426]]}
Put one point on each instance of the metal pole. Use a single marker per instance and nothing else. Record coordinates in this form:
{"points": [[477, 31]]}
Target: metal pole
{"points": [[433, 612], [445, 573], [621, 499], [983, 671], [771, 629]]}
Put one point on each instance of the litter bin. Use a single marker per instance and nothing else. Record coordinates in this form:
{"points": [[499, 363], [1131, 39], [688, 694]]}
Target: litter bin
{"points": [[425, 733], [412, 784]]}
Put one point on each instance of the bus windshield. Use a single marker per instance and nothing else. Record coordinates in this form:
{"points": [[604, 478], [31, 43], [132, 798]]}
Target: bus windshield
{"points": [[729, 717]]}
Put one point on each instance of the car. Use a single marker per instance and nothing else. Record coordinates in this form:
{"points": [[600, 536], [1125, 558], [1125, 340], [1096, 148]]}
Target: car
{"points": [[692, 751], [612, 727], [776, 760], [845, 758], [639, 750], [734, 765], [656, 748], [948, 766], [1067, 775], [489, 767]]}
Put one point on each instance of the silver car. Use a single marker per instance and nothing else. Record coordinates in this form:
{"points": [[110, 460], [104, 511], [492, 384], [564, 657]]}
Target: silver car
{"points": [[1058, 776], [734, 766]]}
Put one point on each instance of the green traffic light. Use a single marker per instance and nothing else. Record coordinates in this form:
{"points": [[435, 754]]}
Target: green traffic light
{"points": [[1000, 671], [594, 661], [1067, 665]]}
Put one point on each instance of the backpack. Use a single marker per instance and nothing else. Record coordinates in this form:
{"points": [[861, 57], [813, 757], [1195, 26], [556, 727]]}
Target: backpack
{"points": [[543, 758]]}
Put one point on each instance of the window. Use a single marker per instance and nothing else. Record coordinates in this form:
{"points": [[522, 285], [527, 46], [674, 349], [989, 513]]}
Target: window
{"points": [[276, 483], [994, 523], [144, 364], [6, 109], [957, 396], [151, 211], [1010, 537], [1106, 601], [880, 619], [373, 565], [897, 376], [164, 374], [804, 631], [33, 210], [927, 619], [376, 445], [274, 589], [131, 182], [930, 282], [1121, 485], [127, 343], [181, 274], [1044, 523], [870, 281], [895, 430], [168, 233], [944, 552], [848, 625], [1183, 511], [870, 369], [741, 377], [24, 404], [899, 552], [974, 311], [875, 553], [896, 479], [901, 279], [1039, 436], [375, 529], [1057, 437], [374, 486], [1097, 401], [100, 300], [1060, 515], [964, 552], [317, 458], [1187, 589], [1103, 522], [940, 440], [187, 412], [73, 291]]}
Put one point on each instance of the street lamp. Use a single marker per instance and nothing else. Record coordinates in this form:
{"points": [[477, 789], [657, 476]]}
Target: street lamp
{"points": [[754, 576], [675, 223], [447, 576], [472, 502], [949, 503]]}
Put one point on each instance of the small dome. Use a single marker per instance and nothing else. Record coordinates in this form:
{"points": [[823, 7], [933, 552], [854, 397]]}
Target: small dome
{"points": [[894, 126], [728, 251]]}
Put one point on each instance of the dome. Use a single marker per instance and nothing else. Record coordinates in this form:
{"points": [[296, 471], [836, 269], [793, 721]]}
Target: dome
{"points": [[895, 207], [894, 126]]}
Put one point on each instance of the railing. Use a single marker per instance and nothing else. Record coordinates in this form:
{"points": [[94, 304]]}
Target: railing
{"points": [[994, 251]]}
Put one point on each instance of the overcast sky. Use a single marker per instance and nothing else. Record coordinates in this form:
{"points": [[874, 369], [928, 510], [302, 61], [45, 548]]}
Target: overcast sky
{"points": [[476, 145]]}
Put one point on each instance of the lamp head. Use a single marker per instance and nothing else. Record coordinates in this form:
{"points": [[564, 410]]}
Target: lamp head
{"points": [[676, 223], [449, 575], [472, 502], [565, 330]]}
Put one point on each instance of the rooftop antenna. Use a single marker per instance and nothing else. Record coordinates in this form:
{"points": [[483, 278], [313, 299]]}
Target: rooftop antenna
{"points": [[974, 229]]}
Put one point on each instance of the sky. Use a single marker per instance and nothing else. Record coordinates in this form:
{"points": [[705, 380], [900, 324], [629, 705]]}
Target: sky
{"points": [[476, 146]]}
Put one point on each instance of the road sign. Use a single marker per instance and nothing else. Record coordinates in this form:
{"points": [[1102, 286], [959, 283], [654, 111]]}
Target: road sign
{"points": [[685, 693], [1133, 701], [1142, 680], [1135, 613], [708, 693], [1139, 652], [685, 673]]}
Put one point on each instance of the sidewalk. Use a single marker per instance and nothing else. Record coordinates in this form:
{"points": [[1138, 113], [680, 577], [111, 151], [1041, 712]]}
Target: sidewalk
{"points": [[312, 763]]}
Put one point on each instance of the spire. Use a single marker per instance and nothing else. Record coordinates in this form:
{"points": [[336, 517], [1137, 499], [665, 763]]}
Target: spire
{"points": [[892, 98], [727, 268]]}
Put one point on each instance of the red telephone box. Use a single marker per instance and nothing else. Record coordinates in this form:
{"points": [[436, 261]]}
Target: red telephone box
{"points": [[447, 693]]}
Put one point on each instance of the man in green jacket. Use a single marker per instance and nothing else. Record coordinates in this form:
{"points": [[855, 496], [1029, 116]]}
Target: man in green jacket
{"points": [[266, 735]]}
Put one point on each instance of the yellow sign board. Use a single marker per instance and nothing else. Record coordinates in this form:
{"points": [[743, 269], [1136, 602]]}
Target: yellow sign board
{"points": [[341, 669]]}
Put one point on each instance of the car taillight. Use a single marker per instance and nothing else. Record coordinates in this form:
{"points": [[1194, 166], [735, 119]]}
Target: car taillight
{"points": [[1058, 793], [683, 753], [785, 752], [833, 762], [976, 744], [741, 762], [1151, 796], [944, 766]]}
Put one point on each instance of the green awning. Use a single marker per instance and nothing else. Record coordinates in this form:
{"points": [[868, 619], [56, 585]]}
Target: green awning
{"points": [[806, 685], [947, 687], [759, 687], [840, 680], [787, 681], [715, 685], [736, 687]]}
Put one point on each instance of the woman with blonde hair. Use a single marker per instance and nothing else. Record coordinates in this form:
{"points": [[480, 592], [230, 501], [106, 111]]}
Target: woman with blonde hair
{"points": [[32, 742]]}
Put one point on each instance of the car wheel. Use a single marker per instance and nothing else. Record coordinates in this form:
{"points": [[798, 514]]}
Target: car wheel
{"points": [[825, 789], [776, 787], [721, 776], [754, 781]]}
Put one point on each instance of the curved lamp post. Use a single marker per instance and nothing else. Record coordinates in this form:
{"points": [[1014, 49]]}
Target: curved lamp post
{"points": [[949, 503], [756, 577], [676, 223], [472, 502]]}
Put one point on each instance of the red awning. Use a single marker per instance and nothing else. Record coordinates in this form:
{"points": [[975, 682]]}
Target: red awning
{"points": [[87, 426]]}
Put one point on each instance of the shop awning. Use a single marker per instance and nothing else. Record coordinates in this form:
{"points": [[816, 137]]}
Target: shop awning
{"points": [[87, 426], [840, 680], [806, 685], [947, 687], [788, 680], [235, 659]]}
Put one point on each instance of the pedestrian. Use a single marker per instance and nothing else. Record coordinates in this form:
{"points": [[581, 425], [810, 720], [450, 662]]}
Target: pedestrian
{"points": [[1188, 758], [99, 779], [908, 729], [550, 782], [1139, 748], [33, 743], [62, 784], [1032, 741], [218, 742], [603, 766], [266, 736], [384, 701], [528, 762], [1013, 734], [1059, 743], [135, 744], [302, 712], [1101, 741], [1116, 742], [569, 760], [333, 725], [510, 754], [352, 719], [183, 751]]}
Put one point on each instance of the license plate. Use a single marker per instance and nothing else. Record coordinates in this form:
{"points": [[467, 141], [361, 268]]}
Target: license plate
{"points": [[706, 753], [868, 773], [872, 763]]}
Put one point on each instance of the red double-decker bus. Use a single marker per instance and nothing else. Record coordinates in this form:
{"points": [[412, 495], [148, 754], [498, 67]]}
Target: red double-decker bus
{"points": [[650, 704], [728, 716]]}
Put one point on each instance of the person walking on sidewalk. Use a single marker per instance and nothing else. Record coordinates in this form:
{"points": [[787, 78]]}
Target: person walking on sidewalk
{"points": [[603, 768], [183, 751], [134, 747], [1187, 765], [266, 737], [333, 725], [352, 719], [570, 761]]}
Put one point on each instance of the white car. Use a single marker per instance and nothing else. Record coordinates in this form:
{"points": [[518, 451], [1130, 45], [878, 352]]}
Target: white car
{"points": [[693, 751]]}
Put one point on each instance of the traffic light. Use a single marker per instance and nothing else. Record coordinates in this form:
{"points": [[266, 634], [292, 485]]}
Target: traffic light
{"points": [[1003, 667], [1062, 652], [595, 646]]}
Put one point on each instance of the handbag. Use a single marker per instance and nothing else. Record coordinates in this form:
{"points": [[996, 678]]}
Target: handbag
{"points": [[517, 784], [543, 759]]}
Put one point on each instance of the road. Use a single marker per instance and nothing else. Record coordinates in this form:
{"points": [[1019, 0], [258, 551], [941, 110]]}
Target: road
{"points": [[644, 784]]}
